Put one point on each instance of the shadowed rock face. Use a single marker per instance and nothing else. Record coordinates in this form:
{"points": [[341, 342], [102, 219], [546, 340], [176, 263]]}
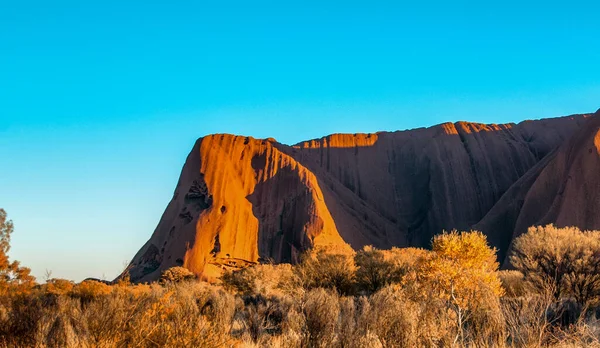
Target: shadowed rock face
{"points": [[563, 188], [242, 200]]}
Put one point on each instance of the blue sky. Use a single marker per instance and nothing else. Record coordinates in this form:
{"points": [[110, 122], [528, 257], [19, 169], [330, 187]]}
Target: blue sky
{"points": [[101, 101]]}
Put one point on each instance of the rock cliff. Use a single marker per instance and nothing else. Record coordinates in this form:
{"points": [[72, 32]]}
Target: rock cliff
{"points": [[242, 200], [563, 189], [239, 200]]}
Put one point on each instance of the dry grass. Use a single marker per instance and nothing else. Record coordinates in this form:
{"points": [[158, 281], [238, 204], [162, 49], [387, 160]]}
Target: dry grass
{"points": [[186, 314], [329, 300], [197, 314]]}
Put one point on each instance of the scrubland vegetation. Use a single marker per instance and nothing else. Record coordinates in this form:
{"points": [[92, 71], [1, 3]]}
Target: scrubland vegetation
{"points": [[451, 295]]}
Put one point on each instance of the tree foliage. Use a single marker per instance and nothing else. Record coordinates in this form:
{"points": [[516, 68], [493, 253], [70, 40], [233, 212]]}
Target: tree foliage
{"points": [[462, 272], [6, 229], [13, 277], [461, 266], [564, 261]]}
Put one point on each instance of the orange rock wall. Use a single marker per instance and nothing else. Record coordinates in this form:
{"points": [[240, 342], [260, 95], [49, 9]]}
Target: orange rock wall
{"points": [[242, 200], [238, 199]]}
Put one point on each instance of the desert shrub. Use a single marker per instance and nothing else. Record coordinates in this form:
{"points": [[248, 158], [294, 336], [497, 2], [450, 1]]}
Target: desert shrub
{"points": [[262, 279], [218, 308], [294, 321], [256, 318], [513, 283], [581, 334], [437, 323], [242, 281], [60, 324], [105, 318], [349, 328], [526, 321], [407, 258], [411, 260], [356, 324], [449, 296], [484, 323], [119, 319], [88, 290], [176, 315], [323, 269], [135, 291], [184, 314], [263, 318], [565, 261], [57, 286], [29, 318], [368, 340], [176, 274], [24, 314], [377, 268], [62, 334], [192, 315], [393, 318], [3, 316], [321, 311]]}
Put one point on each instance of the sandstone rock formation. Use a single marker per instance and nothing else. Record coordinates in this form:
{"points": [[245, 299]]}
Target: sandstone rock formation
{"points": [[563, 188], [238, 200], [242, 200]]}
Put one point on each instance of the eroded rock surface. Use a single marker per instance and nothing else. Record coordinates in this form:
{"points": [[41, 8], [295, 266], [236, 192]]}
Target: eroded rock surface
{"points": [[563, 189], [242, 200]]}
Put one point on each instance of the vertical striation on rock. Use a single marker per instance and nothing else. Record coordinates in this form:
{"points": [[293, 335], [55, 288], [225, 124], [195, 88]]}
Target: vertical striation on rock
{"points": [[238, 200], [563, 188], [242, 200]]}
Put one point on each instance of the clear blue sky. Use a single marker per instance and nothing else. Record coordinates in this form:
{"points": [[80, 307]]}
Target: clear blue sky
{"points": [[101, 101]]}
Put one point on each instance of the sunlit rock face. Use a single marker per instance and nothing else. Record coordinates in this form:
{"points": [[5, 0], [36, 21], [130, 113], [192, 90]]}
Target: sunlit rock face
{"points": [[239, 200], [242, 200]]}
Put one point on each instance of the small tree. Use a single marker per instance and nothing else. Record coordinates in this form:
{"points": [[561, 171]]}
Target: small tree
{"points": [[12, 276], [562, 261], [461, 271]]}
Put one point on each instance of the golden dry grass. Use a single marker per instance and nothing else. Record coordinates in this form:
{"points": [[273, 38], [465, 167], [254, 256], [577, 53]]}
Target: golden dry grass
{"points": [[449, 296]]}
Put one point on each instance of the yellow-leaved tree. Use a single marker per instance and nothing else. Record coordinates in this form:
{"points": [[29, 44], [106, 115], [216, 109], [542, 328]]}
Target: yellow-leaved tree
{"points": [[461, 272]]}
